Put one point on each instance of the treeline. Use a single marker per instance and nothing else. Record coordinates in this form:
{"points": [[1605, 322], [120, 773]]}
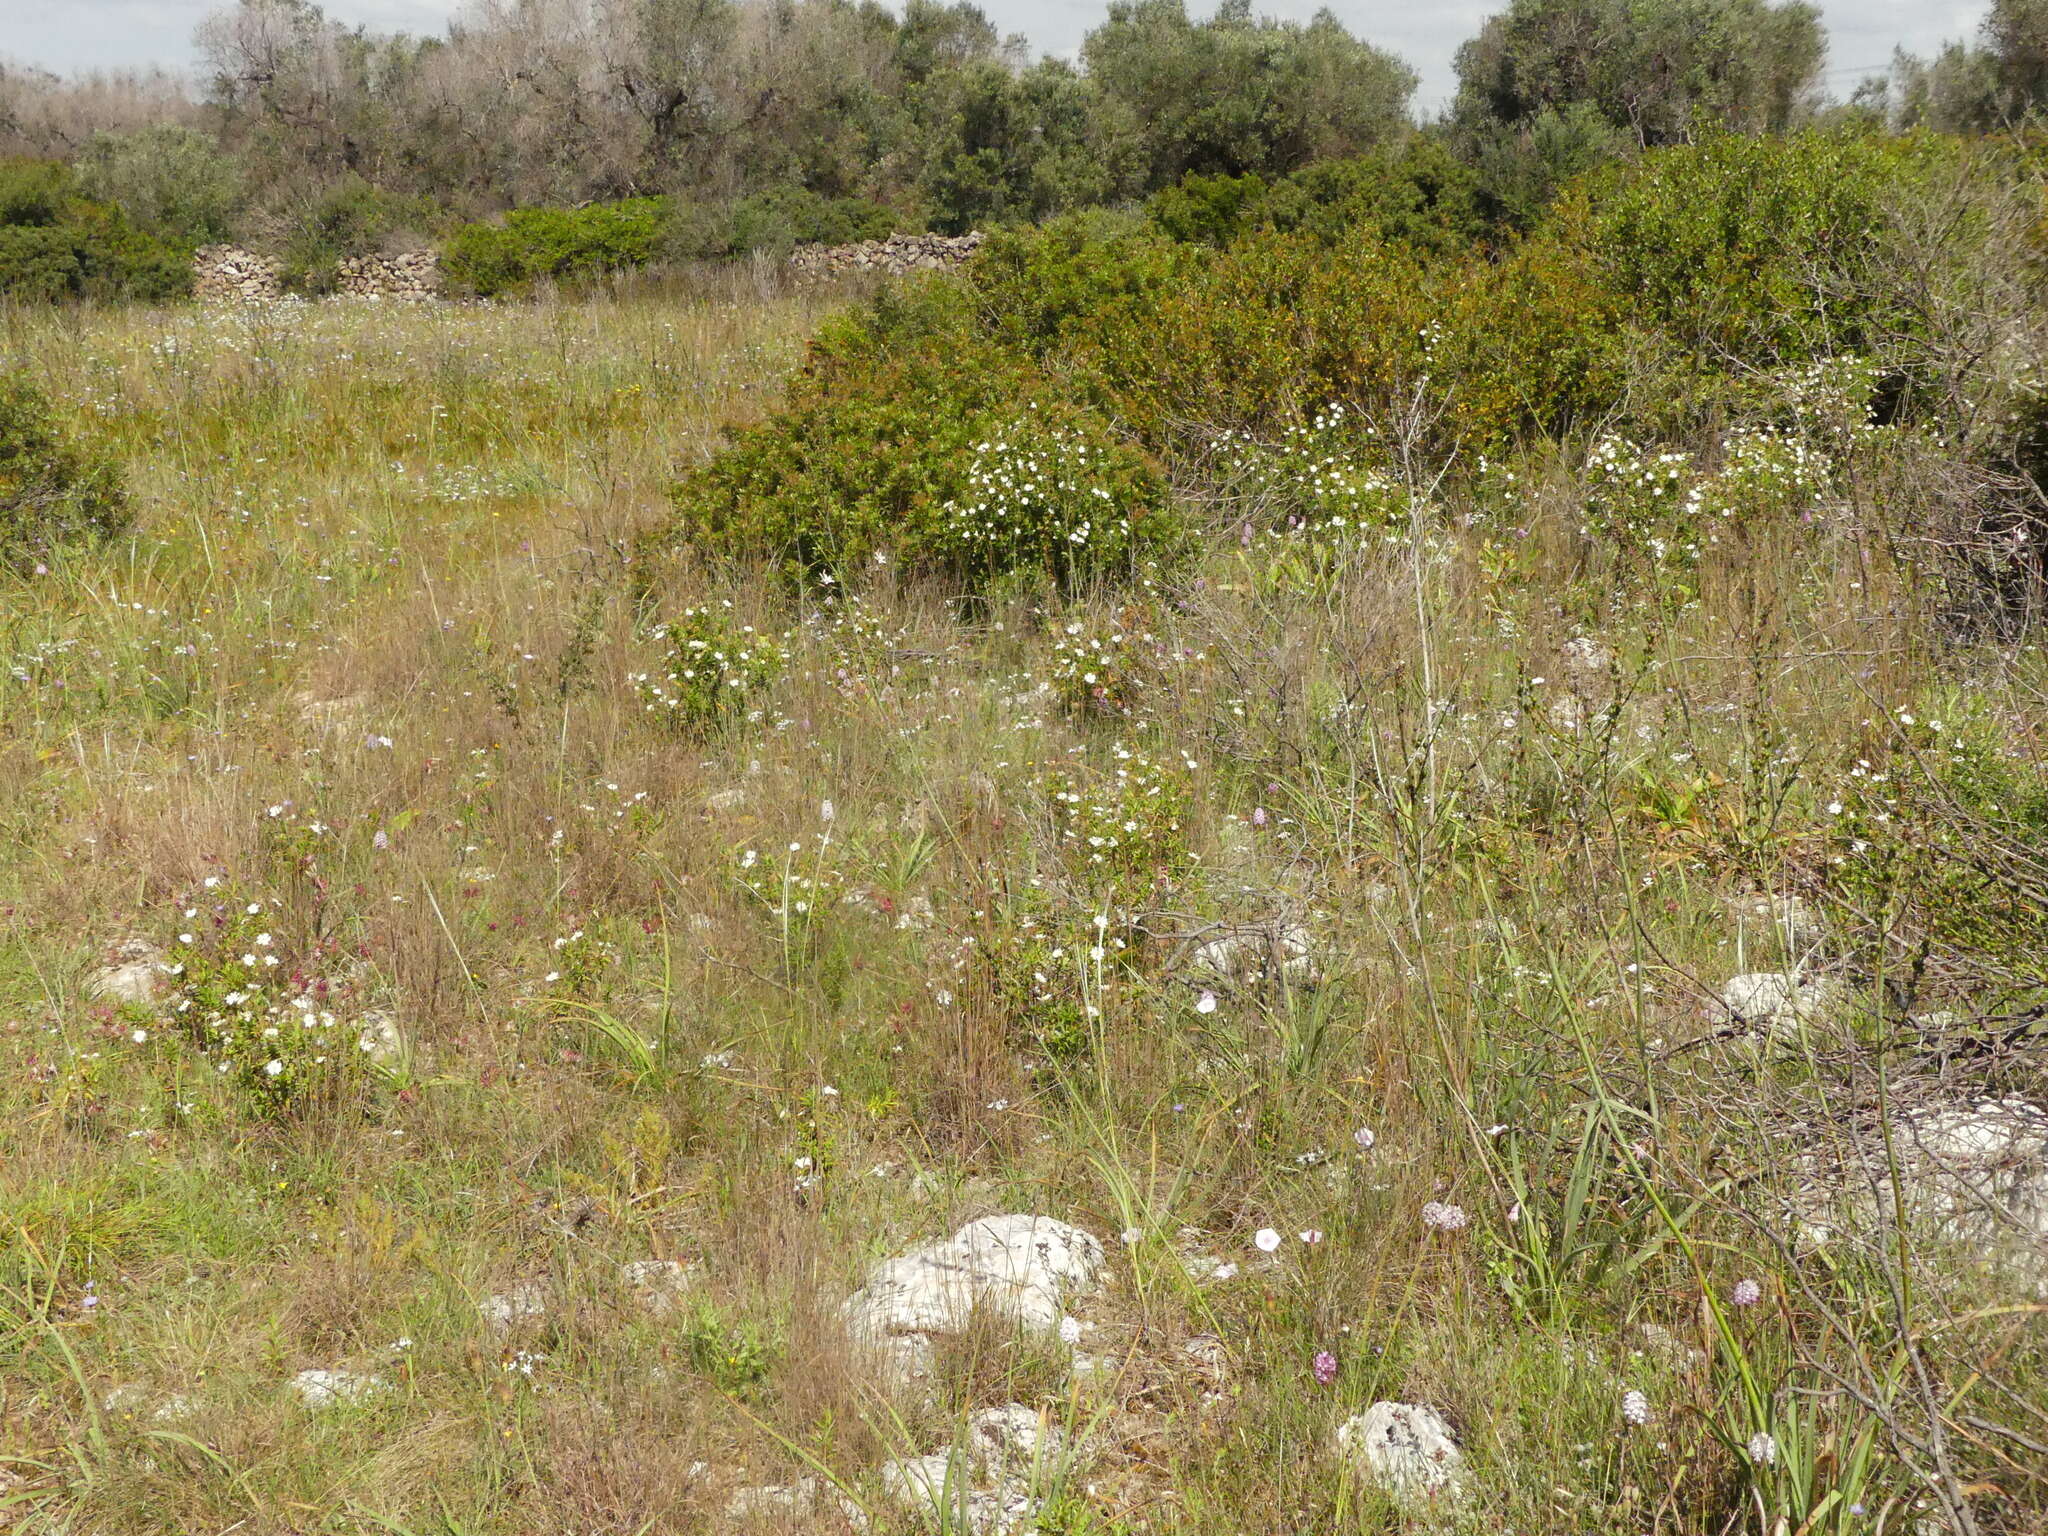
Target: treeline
{"points": [[716, 127]]}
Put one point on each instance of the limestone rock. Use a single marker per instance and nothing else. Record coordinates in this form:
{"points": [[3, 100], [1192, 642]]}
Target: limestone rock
{"points": [[319, 1390], [1971, 1175], [1775, 1001], [941, 1488], [227, 274], [1012, 1441], [136, 976], [408, 275], [1254, 952], [1771, 922], [524, 1301], [1021, 1266], [896, 256], [775, 1505], [1586, 656], [379, 1038], [659, 1285], [1408, 1450], [130, 1402]]}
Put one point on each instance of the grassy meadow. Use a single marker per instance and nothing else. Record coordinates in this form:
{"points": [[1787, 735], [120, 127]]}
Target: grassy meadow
{"points": [[918, 924]]}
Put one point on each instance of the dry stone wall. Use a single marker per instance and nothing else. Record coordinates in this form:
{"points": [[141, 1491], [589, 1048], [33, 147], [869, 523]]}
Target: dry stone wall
{"points": [[893, 257], [227, 274], [412, 275]]}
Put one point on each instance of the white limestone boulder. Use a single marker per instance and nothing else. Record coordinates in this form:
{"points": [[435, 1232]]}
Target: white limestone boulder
{"points": [[1779, 1002], [1020, 1267], [1408, 1451], [1972, 1177], [320, 1390], [135, 976]]}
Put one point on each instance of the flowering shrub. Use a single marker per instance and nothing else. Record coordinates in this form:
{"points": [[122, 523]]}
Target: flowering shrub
{"points": [[1941, 821], [580, 964], [713, 670], [1124, 831], [1656, 507], [1765, 477], [1828, 402], [1635, 497], [253, 1012], [1317, 475], [860, 651], [1049, 980], [794, 884], [1057, 496], [1093, 671], [1110, 669]]}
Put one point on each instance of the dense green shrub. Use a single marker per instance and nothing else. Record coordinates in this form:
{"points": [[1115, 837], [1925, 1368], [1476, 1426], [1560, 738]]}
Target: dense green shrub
{"points": [[1068, 281], [1756, 251], [556, 243], [1418, 194], [776, 222], [173, 183], [1665, 289], [712, 668], [1206, 210], [1939, 830], [118, 261], [871, 442], [349, 217], [52, 492], [913, 436], [38, 263], [57, 245], [33, 193]]}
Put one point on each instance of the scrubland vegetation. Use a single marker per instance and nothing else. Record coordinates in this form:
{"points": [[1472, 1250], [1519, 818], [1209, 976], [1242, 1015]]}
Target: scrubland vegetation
{"points": [[1266, 748], [1446, 766]]}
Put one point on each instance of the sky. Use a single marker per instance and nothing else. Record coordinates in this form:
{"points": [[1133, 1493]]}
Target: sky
{"points": [[79, 35]]}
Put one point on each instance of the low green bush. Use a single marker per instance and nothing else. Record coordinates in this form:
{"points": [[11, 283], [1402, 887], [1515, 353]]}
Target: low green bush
{"points": [[1937, 833], [39, 264], [173, 182], [1075, 279], [1418, 194], [348, 217], [1206, 210], [56, 245], [912, 436], [52, 492], [711, 671], [775, 222], [1759, 252], [1666, 289], [558, 244]]}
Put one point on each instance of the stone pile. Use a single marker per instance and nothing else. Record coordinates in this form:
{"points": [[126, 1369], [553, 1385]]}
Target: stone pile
{"points": [[227, 274], [410, 275], [893, 257]]}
